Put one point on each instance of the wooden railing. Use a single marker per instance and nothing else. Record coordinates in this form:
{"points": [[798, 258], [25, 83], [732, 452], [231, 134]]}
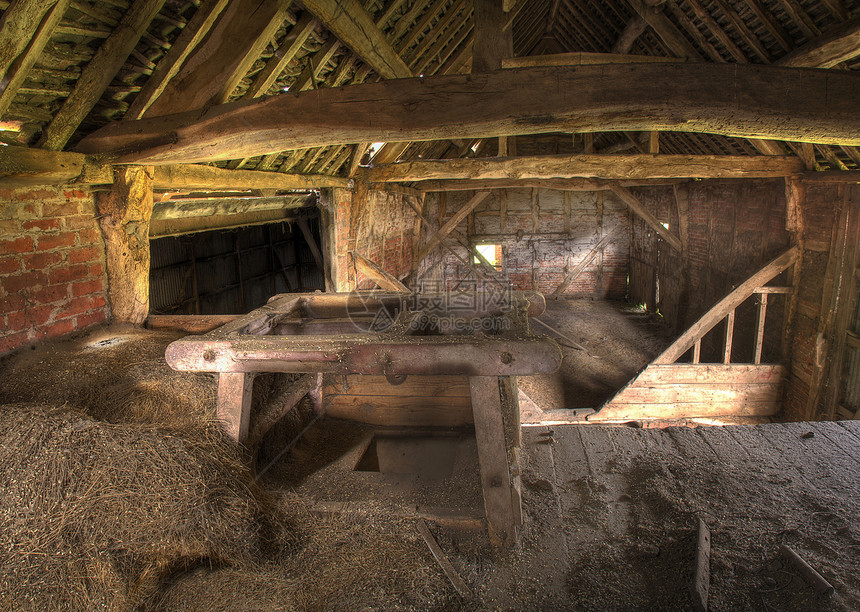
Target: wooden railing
{"points": [[725, 309], [666, 390]]}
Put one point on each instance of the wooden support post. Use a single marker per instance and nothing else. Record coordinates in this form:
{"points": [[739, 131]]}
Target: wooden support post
{"points": [[654, 143], [234, 403], [697, 351], [639, 208], [730, 332], [124, 215], [759, 327], [377, 274], [702, 579], [315, 250], [452, 223], [501, 502]]}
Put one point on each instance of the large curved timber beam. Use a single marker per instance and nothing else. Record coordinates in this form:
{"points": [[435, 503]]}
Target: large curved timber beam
{"points": [[747, 101]]}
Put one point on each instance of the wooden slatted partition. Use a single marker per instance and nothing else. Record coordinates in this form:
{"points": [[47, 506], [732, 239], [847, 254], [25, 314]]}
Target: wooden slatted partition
{"points": [[669, 390]]}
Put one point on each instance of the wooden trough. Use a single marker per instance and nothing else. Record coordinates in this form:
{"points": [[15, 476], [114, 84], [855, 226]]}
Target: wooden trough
{"points": [[480, 339]]}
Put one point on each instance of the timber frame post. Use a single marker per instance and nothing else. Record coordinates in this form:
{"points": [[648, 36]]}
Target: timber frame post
{"points": [[495, 408], [124, 217]]}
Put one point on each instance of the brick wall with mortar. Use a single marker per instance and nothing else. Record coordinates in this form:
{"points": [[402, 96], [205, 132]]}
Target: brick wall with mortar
{"points": [[543, 234], [734, 228], [52, 265], [377, 224]]}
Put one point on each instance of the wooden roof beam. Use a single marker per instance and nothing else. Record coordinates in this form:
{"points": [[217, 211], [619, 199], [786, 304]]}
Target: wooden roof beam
{"points": [[838, 45], [214, 68], [348, 20], [664, 28], [98, 74], [604, 167], [192, 34], [193, 176], [629, 34], [743, 101]]}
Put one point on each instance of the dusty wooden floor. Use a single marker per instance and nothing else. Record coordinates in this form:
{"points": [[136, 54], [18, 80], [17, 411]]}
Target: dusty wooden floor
{"points": [[611, 516]]}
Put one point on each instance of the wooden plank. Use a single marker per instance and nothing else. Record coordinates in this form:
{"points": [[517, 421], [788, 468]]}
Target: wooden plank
{"points": [[726, 305], [493, 43], [25, 29], [493, 458], [839, 44], [413, 386], [98, 74], [234, 403], [192, 324], [211, 178], [644, 412], [462, 589], [160, 228], [634, 28], [668, 33], [605, 167], [214, 68], [278, 407], [584, 59], [709, 374], [348, 20], [579, 184], [693, 393], [377, 274], [437, 238], [761, 313], [777, 103], [207, 207], [646, 215], [400, 411], [730, 332], [192, 34]]}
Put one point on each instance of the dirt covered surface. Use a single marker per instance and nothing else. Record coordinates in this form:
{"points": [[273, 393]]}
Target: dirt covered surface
{"points": [[122, 494], [617, 340]]}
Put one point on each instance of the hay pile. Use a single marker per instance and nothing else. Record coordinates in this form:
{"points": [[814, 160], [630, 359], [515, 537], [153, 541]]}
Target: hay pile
{"points": [[96, 514], [119, 491], [117, 374]]}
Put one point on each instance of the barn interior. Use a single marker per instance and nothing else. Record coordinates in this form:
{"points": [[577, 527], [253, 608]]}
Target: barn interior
{"points": [[429, 304]]}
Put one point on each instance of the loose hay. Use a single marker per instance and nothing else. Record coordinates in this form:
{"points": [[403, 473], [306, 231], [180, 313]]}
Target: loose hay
{"points": [[94, 514], [117, 374]]}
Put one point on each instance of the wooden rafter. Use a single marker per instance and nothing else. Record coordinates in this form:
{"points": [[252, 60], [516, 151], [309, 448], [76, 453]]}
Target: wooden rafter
{"points": [[607, 167], [22, 39], [777, 103], [839, 44], [285, 53], [192, 34], [348, 20], [210, 74], [98, 74]]}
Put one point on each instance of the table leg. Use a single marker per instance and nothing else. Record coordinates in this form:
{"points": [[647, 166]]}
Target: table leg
{"points": [[234, 403], [497, 455]]}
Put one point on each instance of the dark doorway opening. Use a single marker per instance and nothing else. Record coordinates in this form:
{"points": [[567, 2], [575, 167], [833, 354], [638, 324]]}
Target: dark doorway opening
{"points": [[234, 271]]}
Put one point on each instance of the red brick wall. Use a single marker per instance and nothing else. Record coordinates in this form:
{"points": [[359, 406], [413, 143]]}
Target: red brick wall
{"points": [[52, 266], [545, 233]]}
